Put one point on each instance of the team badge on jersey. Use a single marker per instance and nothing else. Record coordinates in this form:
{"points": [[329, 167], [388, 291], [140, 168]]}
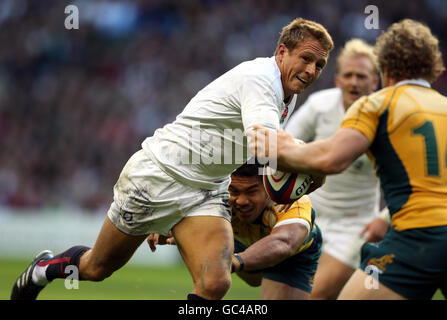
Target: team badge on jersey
{"points": [[284, 115]]}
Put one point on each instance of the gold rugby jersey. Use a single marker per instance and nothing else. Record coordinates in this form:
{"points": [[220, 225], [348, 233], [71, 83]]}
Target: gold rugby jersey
{"points": [[407, 127], [249, 233]]}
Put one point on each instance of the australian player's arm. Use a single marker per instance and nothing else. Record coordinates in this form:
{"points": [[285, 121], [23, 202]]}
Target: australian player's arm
{"points": [[335, 154], [288, 234], [302, 125]]}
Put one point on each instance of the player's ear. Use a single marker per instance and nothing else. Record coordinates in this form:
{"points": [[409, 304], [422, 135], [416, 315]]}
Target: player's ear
{"points": [[375, 83], [281, 50]]}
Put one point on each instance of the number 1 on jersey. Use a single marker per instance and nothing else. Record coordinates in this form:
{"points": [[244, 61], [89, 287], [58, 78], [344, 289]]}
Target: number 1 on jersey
{"points": [[431, 147]]}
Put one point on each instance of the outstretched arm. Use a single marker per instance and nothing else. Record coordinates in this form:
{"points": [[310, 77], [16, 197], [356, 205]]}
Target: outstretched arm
{"points": [[323, 157]]}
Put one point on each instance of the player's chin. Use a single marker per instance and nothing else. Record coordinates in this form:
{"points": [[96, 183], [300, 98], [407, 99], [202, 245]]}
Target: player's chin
{"points": [[300, 87], [246, 216], [353, 98], [298, 90]]}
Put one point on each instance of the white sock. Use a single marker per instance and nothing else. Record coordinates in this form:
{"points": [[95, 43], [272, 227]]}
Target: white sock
{"points": [[39, 275]]}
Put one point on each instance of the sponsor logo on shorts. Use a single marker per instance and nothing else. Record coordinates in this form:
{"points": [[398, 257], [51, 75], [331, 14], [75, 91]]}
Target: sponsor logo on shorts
{"points": [[127, 216], [382, 261]]}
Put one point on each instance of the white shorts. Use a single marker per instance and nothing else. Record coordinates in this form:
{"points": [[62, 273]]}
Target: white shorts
{"points": [[147, 200], [341, 238]]}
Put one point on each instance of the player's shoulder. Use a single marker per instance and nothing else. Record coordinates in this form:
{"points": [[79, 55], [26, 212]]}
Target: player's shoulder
{"points": [[325, 93], [424, 95], [324, 100], [264, 72], [302, 202], [374, 102], [300, 209], [262, 68], [381, 94]]}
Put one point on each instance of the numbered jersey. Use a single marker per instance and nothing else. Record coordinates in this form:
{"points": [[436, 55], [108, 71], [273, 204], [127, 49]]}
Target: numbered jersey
{"points": [[407, 127]]}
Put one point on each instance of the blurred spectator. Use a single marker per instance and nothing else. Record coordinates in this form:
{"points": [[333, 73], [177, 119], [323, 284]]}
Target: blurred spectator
{"points": [[75, 104]]}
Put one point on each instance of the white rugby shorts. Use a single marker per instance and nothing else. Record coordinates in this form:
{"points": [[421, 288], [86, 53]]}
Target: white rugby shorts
{"points": [[341, 238], [147, 200]]}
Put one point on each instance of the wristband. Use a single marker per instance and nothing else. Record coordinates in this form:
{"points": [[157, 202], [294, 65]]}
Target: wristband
{"points": [[241, 263], [385, 215]]}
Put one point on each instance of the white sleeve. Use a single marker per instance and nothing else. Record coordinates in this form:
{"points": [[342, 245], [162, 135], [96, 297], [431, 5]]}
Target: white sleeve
{"points": [[302, 123], [259, 103], [384, 214], [304, 222]]}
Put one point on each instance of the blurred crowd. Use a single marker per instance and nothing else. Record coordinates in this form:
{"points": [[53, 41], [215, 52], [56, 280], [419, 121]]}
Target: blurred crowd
{"points": [[75, 104]]}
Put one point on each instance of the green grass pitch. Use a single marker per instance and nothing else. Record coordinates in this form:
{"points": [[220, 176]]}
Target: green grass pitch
{"points": [[129, 283]]}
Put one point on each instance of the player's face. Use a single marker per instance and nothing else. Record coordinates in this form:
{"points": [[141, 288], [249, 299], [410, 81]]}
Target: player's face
{"points": [[356, 78], [301, 66], [247, 197]]}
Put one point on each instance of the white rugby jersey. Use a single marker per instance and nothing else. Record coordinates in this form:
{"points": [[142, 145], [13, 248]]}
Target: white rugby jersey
{"points": [[207, 141], [354, 192]]}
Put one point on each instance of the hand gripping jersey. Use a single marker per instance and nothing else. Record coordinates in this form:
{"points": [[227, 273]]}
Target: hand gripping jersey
{"points": [[407, 127], [207, 141], [300, 212]]}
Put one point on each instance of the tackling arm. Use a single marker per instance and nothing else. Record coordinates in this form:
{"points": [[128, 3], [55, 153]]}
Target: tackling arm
{"points": [[323, 157], [328, 156], [282, 243]]}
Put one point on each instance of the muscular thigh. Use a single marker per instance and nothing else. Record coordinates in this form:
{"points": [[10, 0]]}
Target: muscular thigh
{"points": [[274, 290], [360, 287], [206, 245], [331, 276]]}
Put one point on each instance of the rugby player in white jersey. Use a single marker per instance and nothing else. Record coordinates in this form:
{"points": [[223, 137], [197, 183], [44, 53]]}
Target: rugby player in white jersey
{"points": [[179, 179], [348, 201]]}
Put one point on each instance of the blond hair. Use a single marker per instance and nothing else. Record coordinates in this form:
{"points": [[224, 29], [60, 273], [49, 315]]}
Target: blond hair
{"points": [[408, 50], [358, 48], [299, 29]]}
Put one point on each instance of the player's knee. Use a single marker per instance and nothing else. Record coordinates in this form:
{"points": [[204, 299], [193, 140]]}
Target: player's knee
{"points": [[320, 293], [216, 287]]}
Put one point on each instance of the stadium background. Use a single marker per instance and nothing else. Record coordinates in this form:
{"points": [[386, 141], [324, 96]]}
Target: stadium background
{"points": [[75, 104]]}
